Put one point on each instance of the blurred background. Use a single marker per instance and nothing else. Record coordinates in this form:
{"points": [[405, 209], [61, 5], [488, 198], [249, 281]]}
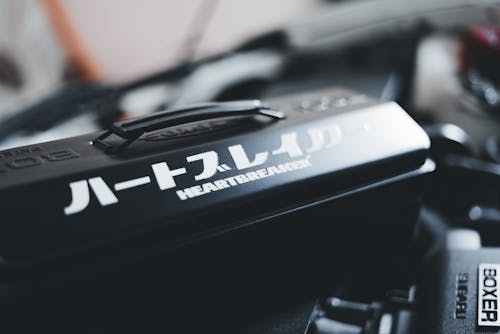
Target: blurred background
{"points": [[69, 67]]}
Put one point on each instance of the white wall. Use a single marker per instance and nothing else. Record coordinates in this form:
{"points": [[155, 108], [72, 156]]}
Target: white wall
{"points": [[131, 38]]}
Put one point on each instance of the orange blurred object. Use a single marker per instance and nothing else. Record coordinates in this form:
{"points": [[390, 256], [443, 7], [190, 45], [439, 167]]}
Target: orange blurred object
{"points": [[76, 50]]}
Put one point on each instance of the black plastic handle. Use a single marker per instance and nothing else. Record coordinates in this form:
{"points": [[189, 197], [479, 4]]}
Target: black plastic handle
{"points": [[132, 129]]}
